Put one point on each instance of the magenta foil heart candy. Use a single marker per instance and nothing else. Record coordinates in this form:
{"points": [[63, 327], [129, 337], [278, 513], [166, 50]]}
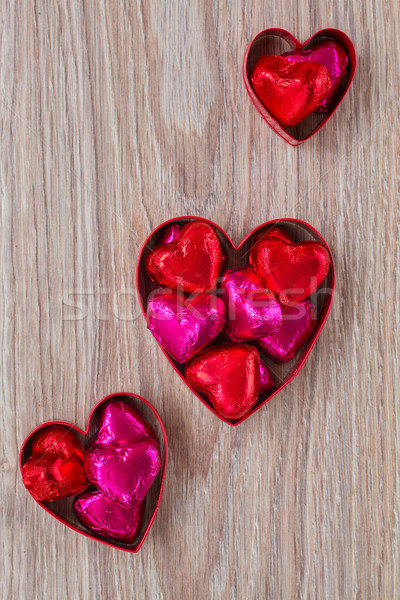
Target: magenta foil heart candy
{"points": [[120, 423], [124, 473], [171, 234], [106, 517], [266, 382], [298, 323], [184, 326], [252, 312], [123, 468], [332, 55]]}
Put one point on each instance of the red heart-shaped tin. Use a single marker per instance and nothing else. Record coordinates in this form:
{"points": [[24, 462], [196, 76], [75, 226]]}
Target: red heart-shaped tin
{"points": [[62, 509], [237, 257], [278, 41]]}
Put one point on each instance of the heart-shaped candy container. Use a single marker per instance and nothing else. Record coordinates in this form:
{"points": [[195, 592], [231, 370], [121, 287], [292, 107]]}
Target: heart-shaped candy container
{"points": [[105, 482], [277, 288], [297, 87]]}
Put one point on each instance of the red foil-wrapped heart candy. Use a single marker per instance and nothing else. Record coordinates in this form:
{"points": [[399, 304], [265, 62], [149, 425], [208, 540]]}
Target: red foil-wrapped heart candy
{"points": [[191, 262], [229, 376], [290, 91], [291, 271], [55, 468]]}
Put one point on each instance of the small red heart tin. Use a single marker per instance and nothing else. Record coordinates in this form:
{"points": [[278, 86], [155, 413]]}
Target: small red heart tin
{"points": [[62, 509], [277, 41], [237, 257]]}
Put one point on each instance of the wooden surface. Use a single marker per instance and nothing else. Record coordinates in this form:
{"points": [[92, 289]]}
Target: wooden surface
{"points": [[115, 116]]}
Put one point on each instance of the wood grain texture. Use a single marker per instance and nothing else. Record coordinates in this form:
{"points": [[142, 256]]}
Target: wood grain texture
{"points": [[115, 116]]}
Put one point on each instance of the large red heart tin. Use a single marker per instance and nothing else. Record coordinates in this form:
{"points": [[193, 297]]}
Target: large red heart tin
{"points": [[236, 257], [62, 509], [277, 41]]}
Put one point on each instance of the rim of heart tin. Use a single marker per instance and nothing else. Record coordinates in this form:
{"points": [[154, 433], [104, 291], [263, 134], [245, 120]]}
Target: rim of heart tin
{"points": [[288, 370], [258, 48], [154, 495]]}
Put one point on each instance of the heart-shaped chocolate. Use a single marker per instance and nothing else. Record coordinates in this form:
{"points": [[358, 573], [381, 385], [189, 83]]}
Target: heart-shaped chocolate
{"points": [[298, 323], [229, 375], [100, 514], [290, 91], [252, 311], [175, 264], [183, 326], [283, 230], [280, 42], [54, 469], [266, 382], [291, 271], [116, 427], [123, 472]]}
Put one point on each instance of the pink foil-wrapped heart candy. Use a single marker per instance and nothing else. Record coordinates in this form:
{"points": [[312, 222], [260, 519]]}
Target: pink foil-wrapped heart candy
{"points": [[299, 321], [170, 234], [98, 513], [333, 57], [266, 382], [184, 326], [120, 423], [252, 312], [124, 464]]}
